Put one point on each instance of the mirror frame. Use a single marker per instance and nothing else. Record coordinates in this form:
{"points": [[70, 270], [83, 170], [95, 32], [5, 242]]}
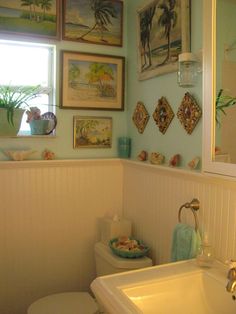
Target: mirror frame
{"points": [[209, 94]]}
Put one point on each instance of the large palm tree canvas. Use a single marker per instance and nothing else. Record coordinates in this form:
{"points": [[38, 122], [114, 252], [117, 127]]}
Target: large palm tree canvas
{"points": [[93, 21], [92, 81], [34, 18], [163, 33]]}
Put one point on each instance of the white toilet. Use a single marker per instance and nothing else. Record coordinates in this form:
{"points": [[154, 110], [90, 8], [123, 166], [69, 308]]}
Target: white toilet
{"points": [[82, 302]]}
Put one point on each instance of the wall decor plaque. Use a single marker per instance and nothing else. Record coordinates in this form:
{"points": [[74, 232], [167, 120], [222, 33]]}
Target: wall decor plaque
{"points": [[92, 132], [163, 115], [94, 22], [140, 117], [163, 32], [189, 113], [92, 81], [35, 19]]}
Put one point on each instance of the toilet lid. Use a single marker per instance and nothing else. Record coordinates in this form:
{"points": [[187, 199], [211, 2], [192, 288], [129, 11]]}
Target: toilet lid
{"points": [[64, 303]]}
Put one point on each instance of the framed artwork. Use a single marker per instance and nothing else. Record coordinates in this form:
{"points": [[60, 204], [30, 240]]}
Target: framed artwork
{"points": [[163, 33], [30, 18], [92, 132], [163, 115], [189, 113], [92, 81], [95, 22], [140, 117]]}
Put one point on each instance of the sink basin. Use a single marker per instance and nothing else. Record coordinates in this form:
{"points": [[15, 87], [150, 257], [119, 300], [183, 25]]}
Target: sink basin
{"points": [[180, 288], [197, 293]]}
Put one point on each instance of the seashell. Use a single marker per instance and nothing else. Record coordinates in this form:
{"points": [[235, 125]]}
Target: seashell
{"points": [[19, 155], [194, 163], [143, 155], [48, 154], [157, 158], [175, 160]]}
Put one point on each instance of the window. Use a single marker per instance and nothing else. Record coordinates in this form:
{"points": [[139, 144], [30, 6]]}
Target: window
{"points": [[29, 64]]}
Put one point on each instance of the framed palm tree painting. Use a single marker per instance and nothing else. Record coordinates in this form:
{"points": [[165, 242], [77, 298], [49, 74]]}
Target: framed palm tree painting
{"points": [[92, 132], [30, 18], [93, 21], [163, 33], [92, 81]]}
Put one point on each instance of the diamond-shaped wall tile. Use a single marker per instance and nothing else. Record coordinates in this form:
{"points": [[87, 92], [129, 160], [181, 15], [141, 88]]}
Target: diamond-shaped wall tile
{"points": [[189, 113], [163, 114], [140, 117]]}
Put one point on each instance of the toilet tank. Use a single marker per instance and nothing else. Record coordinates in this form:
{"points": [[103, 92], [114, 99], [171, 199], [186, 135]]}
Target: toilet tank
{"points": [[108, 263]]}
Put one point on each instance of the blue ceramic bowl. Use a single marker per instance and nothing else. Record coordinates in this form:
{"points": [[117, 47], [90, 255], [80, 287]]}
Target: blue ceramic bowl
{"points": [[128, 254]]}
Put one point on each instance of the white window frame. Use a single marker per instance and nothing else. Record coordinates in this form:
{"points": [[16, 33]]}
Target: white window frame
{"points": [[50, 89]]}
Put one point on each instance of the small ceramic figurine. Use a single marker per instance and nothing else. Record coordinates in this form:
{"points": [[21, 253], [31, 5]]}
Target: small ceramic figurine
{"points": [[157, 158], [194, 163], [48, 155], [143, 155], [175, 160]]}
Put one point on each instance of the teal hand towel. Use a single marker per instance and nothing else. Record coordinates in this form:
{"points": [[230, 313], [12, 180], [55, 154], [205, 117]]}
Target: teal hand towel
{"points": [[185, 243]]}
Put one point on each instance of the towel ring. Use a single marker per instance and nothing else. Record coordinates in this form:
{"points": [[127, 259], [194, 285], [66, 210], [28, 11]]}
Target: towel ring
{"points": [[194, 206]]}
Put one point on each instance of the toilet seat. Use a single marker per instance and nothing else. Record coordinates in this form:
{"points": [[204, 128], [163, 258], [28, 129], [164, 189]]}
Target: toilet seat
{"points": [[64, 303]]}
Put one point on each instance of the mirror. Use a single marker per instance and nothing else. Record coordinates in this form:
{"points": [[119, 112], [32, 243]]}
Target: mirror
{"points": [[219, 87]]}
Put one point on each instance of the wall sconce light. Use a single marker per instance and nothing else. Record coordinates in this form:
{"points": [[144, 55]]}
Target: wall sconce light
{"points": [[188, 69]]}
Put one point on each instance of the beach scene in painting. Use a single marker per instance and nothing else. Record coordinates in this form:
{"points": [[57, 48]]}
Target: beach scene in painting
{"points": [[160, 36], [92, 132], [95, 21], [92, 81], [29, 17]]}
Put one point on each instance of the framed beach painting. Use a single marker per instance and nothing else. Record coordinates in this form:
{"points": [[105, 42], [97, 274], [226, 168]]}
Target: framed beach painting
{"points": [[30, 18], [92, 132], [94, 21], [92, 81], [163, 33]]}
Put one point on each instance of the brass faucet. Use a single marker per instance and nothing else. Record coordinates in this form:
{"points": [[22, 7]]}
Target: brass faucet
{"points": [[231, 285]]}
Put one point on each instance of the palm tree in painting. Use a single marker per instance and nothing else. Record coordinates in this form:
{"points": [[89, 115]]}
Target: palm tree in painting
{"points": [[74, 73], [104, 11], [83, 129], [145, 32], [28, 3], [45, 5], [168, 20], [102, 74]]}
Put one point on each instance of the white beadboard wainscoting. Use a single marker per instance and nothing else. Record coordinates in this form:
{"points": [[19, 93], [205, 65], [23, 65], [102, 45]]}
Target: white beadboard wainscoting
{"points": [[154, 194], [49, 212], [48, 226]]}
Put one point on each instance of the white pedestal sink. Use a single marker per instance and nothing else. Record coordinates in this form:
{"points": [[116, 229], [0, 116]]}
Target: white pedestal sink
{"points": [[178, 288]]}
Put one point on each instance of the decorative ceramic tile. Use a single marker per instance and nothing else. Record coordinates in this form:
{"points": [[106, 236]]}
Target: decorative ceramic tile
{"points": [[140, 117], [163, 115], [189, 113]]}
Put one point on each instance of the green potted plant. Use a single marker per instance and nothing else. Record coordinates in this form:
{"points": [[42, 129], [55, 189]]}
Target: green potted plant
{"points": [[223, 102], [13, 103]]}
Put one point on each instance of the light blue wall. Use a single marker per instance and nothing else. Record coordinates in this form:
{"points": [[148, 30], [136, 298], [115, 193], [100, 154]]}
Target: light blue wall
{"points": [[175, 140], [62, 144]]}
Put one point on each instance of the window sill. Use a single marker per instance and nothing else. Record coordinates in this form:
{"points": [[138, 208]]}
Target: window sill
{"points": [[30, 136]]}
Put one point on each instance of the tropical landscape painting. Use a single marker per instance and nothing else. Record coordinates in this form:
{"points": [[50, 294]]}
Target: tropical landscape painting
{"points": [[91, 81], [93, 21], [163, 33], [38, 18], [92, 132]]}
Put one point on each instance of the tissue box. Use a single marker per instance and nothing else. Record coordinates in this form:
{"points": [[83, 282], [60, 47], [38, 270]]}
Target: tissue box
{"points": [[111, 228]]}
